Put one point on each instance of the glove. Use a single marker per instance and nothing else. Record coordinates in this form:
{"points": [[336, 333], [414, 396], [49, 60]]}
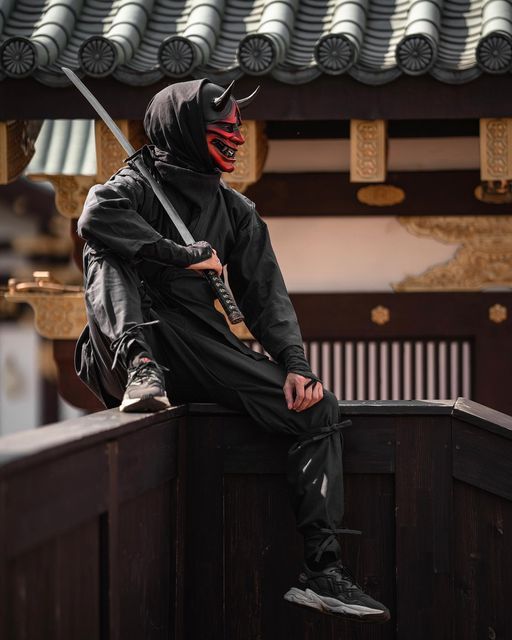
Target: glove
{"points": [[168, 252], [292, 358]]}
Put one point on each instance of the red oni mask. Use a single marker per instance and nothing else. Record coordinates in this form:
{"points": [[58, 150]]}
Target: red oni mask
{"points": [[223, 138]]}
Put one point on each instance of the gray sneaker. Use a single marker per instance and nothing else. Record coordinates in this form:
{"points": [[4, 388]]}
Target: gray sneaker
{"points": [[334, 591], [145, 390]]}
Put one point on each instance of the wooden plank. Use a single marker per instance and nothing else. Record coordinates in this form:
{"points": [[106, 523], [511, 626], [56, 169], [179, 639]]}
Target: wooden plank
{"points": [[416, 314], [482, 560], [326, 97], [54, 588], [263, 556], [177, 539], [369, 447], [423, 528], [147, 459], [32, 594], [30, 447], [370, 507], [204, 531], [482, 459], [145, 525], [53, 497], [113, 559], [77, 604], [483, 417], [493, 360], [427, 193]]}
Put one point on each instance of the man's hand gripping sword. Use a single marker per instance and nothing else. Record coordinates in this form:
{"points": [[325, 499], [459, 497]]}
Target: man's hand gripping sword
{"points": [[224, 296]]}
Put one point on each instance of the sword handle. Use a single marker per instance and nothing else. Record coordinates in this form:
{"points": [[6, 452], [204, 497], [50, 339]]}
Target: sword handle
{"points": [[224, 297]]}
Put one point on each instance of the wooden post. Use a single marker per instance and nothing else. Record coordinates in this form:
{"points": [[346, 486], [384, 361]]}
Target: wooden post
{"points": [[496, 149], [368, 150]]}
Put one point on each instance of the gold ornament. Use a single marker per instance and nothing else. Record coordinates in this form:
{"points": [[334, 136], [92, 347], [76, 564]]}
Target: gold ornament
{"points": [[380, 195], [59, 309], [380, 315], [498, 313], [484, 259]]}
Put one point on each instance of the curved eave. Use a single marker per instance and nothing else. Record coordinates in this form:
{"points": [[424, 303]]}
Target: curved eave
{"points": [[144, 42]]}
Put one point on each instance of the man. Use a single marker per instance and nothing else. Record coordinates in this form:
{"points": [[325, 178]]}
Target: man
{"points": [[152, 326]]}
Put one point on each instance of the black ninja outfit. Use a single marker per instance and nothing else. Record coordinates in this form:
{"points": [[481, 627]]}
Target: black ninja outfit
{"points": [[139, 298]]}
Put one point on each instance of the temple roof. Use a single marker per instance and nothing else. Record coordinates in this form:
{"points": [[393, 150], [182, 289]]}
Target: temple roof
{"points": [[139, 42]]}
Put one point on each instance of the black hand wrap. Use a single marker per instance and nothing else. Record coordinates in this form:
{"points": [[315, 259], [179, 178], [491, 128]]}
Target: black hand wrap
{"points": [[292, 358], [168, 252]]}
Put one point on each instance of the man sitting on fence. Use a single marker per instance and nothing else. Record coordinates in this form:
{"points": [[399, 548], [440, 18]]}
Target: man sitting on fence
{"points": [[153, 329]]}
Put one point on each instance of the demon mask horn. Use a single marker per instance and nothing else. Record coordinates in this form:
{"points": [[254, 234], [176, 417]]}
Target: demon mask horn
{"points": [[219, 104]]}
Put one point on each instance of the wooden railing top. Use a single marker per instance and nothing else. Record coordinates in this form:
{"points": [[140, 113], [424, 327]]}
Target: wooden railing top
{"points": [[354, 407], [35, 445], [483, 417], [51, 440]]}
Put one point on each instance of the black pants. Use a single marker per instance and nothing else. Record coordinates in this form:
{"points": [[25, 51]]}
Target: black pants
{"points": [[204, 368]]}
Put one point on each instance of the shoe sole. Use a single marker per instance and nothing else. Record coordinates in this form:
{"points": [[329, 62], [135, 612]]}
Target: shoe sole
{"points": [[334, 607], [145, 405]]}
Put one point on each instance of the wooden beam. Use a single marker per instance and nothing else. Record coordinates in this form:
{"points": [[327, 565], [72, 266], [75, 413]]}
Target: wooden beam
{"points": [[339, 97], [332, 194]]}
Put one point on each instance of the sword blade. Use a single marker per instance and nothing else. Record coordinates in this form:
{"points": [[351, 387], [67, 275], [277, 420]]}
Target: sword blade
{"points": [[224, 296], [116, 131], [138, 162]]}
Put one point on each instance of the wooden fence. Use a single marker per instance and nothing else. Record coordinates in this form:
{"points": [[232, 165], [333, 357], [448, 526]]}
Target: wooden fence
{"points": [[177, 525]]}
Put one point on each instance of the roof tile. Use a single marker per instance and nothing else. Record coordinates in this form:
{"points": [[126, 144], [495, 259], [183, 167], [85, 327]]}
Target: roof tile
{"points": [[141, 41]]}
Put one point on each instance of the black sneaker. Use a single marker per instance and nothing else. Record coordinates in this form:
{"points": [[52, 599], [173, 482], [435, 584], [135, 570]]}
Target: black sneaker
{"points": [[335, 591], [145, 390]]}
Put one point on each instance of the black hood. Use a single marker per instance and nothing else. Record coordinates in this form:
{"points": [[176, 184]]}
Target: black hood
{"points": [[178, 153], [174, 123]]}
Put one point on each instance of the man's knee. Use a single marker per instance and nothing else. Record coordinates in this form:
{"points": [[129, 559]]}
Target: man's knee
{"points": [[323, 414], [330, 408]]}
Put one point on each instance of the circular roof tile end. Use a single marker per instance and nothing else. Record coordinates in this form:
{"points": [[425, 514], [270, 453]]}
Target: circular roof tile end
{"points": [[415, 54], [257, 54], [18, 57], [494, 53], [97, 56], [177, 57], [335, 54]]}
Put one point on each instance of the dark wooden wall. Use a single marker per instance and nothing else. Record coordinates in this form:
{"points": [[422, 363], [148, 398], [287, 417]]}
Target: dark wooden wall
{"points": [[422, 316], [177, 525], [88, 530]]}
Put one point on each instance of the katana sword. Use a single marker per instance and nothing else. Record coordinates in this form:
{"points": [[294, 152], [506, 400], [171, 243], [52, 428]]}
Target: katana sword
{"points": [[223, 295]]}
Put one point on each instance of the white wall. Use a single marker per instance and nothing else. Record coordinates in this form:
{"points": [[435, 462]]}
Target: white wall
{"points": [[19, 378], [404, 154], [350, 253]]}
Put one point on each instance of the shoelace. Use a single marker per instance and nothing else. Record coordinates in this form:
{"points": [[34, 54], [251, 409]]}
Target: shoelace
{"points": [[144, 372], [345, 573], [332, 536], [323, 432]]}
